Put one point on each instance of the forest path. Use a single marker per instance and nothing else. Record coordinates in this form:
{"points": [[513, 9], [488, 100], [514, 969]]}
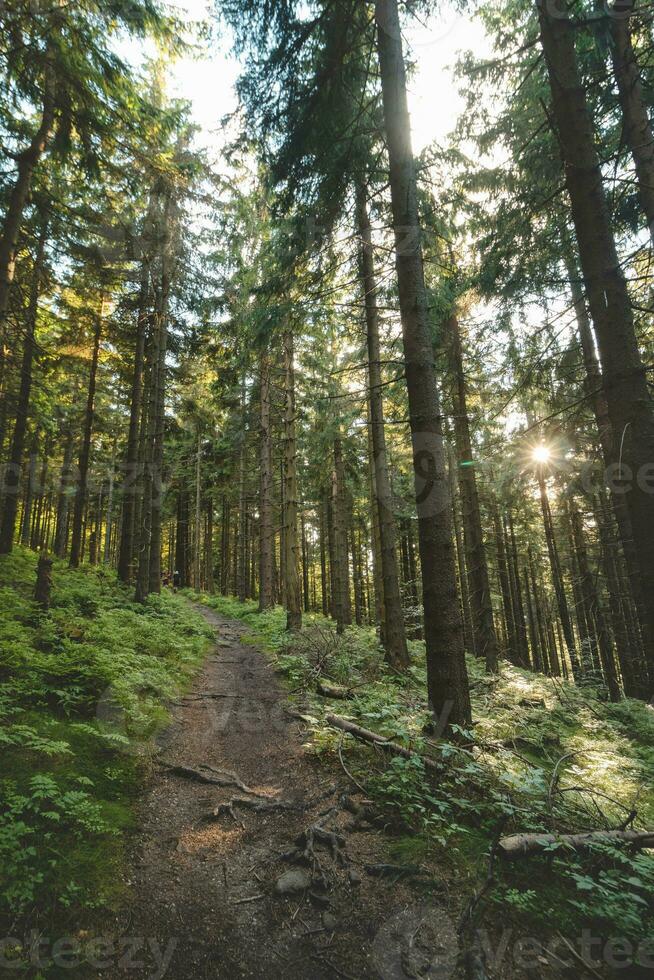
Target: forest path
{"points": [[203, 900]]}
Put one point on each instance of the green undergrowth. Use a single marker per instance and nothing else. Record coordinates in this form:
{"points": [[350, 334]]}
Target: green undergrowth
{"points": [[543, 755], [82, 693]]}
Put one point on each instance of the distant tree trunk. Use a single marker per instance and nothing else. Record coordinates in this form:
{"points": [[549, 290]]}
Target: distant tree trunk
{"points": [[208, 547], [624, 374], [447, 680], [305, 564], [468, 632], [158, 428], [292, 591], [339, 517], [13, 470], [181, 540], [356, 577], [224, 547], [513, 652], [375, 535], [85, 450], [110, 508], [592, 607], [197, 573], [323, 558], [242, 570], [61, 532], [531, 619], [637, 130], [628, 654], [266, 489], [393, 633], [516, 589], [131, 476], [26, 519], [557, 575], [480, 595]]}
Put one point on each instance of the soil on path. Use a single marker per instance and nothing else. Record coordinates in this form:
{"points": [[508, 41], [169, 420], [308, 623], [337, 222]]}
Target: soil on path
{"points": [[202, 889]]}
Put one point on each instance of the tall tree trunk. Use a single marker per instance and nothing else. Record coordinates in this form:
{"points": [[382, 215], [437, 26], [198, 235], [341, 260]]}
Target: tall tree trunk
{"points": [[480, 595], [323, 558], [26, 519], [594, 386], [13, 470], [557, 575], [637, 130], [266, 489], [339, 512], [624, 375], [627, 653], [61, 532], [110, 508], [447, 680], [592, 607], [132, 479], [85, 449], [393, 633], [513, 651], [516, 589], [158, 489], [197, 574], [292, 591], [305, 564], [208, 547]]}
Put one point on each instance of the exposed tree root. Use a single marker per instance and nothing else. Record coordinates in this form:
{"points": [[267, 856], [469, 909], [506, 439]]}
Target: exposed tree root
{"points": [[215, 777]]}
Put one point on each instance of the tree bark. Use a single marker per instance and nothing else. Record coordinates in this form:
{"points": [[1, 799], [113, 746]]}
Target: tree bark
{"points": [[637, 130], [85, 450], [131, 476], [266, 488], [292, 591], [393, 634], [623, 372], [447, 680], [486, 645], [13, 470]]}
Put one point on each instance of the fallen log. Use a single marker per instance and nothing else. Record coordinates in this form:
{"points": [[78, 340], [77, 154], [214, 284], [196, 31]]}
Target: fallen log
{"points": [[379, 740], [333, 691], [523, 845]]}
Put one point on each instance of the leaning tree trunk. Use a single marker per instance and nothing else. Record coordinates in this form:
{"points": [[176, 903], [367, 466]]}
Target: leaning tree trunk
{"points": [[13, 470], [85, 450], [266, 488], [292, 590], [394, 635], [624, 374], [637, 129], [477, 565], [447, 679]]}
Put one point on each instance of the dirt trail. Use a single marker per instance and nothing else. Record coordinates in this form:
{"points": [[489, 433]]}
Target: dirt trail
{"points": [[203, 889]]}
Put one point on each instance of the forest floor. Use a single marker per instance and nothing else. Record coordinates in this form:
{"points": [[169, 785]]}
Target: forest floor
{"points": [[204, 888]]}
